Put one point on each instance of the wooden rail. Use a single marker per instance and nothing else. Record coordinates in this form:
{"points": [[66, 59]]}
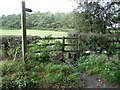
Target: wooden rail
{"points": [[64, 44]]}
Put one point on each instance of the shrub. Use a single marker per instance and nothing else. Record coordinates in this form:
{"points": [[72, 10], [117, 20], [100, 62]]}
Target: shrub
{"points": [[94, 42], [11, 45], [38, 53]]}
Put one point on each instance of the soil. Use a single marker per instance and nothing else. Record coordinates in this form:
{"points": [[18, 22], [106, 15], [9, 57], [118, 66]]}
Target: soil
{"points": [[95, 81]]}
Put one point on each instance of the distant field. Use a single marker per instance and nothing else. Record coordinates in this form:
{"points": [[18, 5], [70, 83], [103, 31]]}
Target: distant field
{"points": [[41, 33]]}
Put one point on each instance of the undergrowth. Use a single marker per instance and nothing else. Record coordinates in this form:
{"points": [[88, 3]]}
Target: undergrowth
{"points": [[107, 67], [40, 75]]}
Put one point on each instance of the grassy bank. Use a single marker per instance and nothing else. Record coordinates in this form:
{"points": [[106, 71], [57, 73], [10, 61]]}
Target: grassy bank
{"points": [[41, 33]]}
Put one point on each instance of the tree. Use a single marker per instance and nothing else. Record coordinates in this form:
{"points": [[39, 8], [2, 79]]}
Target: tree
{"points": [[11, 21], [96, 16], [39, 20]]}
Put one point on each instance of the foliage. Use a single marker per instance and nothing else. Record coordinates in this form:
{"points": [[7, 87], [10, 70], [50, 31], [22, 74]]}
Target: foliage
{"points": [[43, 50], [97, 16], [39, 20], [38, 53], [41, 75], [109, 68], [41, 72], [94, 42], [11, 46], [11, 21]]}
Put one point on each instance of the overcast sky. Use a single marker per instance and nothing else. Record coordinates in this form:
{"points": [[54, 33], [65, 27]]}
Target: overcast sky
{"points": [[14, 6]]}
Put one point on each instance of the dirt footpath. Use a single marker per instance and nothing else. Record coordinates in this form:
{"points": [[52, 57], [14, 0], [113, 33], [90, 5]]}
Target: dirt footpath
{"points": [[94, 81]]}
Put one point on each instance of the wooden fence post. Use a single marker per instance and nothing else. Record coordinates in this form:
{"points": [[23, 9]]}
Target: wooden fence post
{"points": [[63, 48], [5, 50], [23, 25], [119, 55], [78, 46]]}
